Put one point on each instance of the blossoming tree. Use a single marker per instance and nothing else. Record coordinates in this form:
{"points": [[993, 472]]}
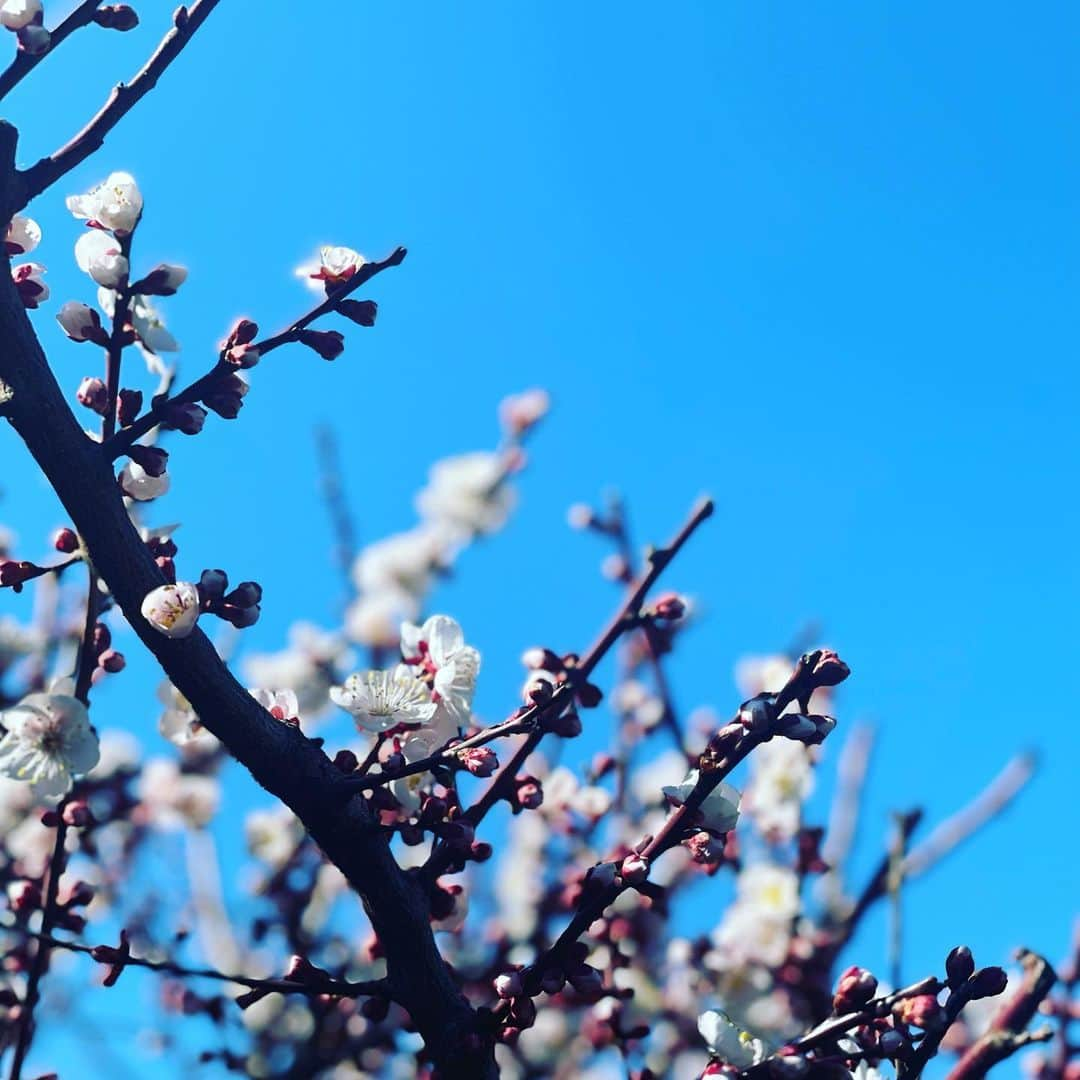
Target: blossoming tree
{"points": [[568, 959]]}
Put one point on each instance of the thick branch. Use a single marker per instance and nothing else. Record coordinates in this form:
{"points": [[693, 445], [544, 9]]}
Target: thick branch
{"points": [[33, 181], [279, 757]]}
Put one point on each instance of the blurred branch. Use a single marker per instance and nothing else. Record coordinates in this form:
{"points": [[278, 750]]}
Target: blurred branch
{"points": [[952, 832]]}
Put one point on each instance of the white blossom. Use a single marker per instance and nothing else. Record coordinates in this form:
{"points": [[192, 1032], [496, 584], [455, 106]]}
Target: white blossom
{"points": [[438, 651], [179, 723], [770, 889], [77, 320], [115, 204], [174, 799], [467, 493], [137, 483], [15, 14], [98, 254], [380, 700], [305, 667], [172, 609], [281, 704], [48, 740], [273, 835], [335, 265], [402, 563], [783, 778], [727, 1041], [374, 618], [23, 235], [719, 811]]}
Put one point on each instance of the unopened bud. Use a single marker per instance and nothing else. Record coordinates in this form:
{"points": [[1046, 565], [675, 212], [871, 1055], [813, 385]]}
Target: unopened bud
{"points": [[959, 966], [66, 540], [479, 760], [116, 17], [987, 982], [93, 395]]}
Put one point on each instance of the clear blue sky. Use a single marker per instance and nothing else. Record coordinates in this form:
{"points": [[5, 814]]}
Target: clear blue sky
{"points": [[818, 260]]}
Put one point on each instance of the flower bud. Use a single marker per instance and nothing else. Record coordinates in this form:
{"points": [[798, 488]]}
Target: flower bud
{"points": [[634, 869], [586, 980], [854, 989], [959, 966], [151, 459], [137, 483], [670, 606], [508, 985], [34, 39], [163, 280], [112, 661], [987, 982], [66, 540], [346, 761], [921, 1011], [479, 760], [826, 668], [93, 395], [128, 406], [329, 344], [81, 323], [242, 356], [530, 794], [116, 17], [185, 417], [362, 312], [172, 609], [212, 585]]}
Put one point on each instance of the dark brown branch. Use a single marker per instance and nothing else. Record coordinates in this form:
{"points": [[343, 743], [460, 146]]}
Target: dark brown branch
{"points": [[314, 988], [41, 954], [25, 62], [1008, 1032], [120, 442], [31, 182], [279, 757]]}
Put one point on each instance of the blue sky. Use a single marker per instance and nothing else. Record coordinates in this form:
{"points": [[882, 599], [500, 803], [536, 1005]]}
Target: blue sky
{"points": [[817, 260]]}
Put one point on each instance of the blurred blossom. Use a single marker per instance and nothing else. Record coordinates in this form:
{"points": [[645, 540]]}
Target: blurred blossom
{"points": [[48, 742], [174, 799], [467, 493]]}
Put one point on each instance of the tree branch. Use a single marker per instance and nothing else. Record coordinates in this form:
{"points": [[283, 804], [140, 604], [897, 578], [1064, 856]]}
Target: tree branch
{"points": [[120, 442], [31, 182], [25, 62], [279, 757]]}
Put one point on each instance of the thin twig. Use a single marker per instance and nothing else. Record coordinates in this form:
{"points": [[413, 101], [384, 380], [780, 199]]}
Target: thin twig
{"points": [[41, 953], [332, 987], [120, 442], [25, 61], [29, 183]]}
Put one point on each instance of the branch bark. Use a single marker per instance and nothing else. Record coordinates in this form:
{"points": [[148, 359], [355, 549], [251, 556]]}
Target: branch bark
{"points": [[278, 756]]}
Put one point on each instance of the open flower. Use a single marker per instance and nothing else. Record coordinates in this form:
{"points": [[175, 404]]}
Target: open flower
{"points": [[172, 609], [437, 651], [98, 254], [49, 739], [23, 235], [719, 811], [728, 1042], [280, 704], [335, 266], [115, 204], [380, 700], [179, 722], [467, 493]]}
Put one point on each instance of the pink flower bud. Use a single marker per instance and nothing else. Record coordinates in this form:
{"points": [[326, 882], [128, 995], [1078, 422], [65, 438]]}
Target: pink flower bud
{"points": [[855, 987], [66, 540], [93, 395], [81, 323], [479, 760], [163, 280], [922, 1011], [634, 869], [529, 793], [670, 606]]}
